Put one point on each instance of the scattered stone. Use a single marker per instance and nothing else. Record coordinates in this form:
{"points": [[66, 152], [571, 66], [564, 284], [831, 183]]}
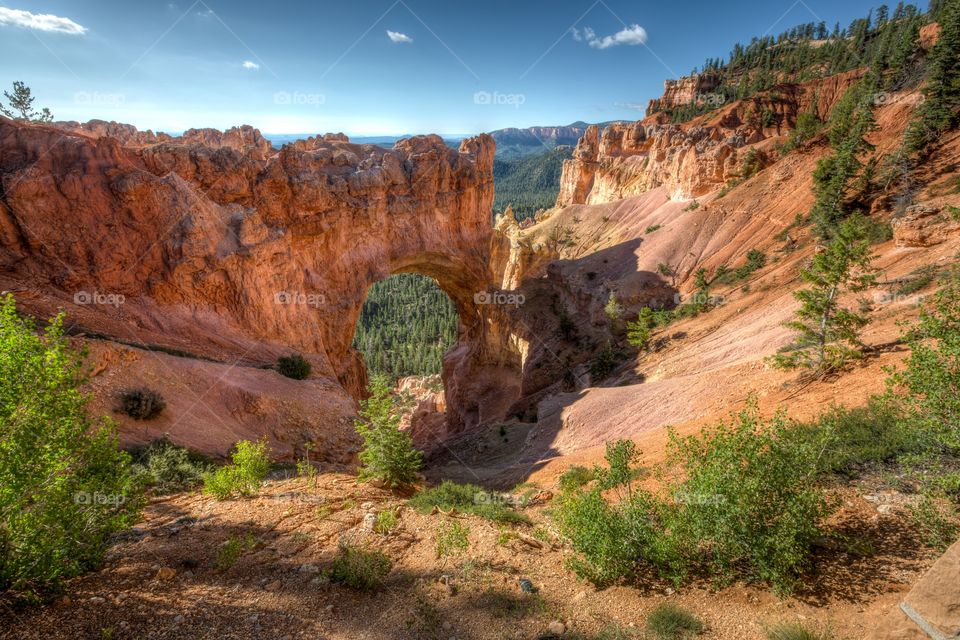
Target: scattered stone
{"points": [[329, 608], [526, 586], [367, 506], [446, 625], [166, 573], [557, 628], [97, 600], [273, 586], [369, 521], [179, 619], [308, 567], [254, 617]]}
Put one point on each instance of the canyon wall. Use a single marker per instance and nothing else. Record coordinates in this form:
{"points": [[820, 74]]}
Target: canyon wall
{"points": [[693, 158]]}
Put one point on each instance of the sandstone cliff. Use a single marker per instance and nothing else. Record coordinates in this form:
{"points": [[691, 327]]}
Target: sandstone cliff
{"points": [[693, 158]]}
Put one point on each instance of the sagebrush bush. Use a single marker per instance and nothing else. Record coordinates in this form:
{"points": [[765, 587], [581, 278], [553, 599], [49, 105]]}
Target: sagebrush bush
{"points": [[738, 499], [576, 477], [167, 467], [467, 498], [294, 366], [360, 568], [387, 453], [671, 622], [64, 485], [250, 464], [452, 538], [141, 404]]}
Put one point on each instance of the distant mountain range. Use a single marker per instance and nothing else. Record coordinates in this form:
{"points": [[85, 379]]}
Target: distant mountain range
{"points": [[511, 142]]}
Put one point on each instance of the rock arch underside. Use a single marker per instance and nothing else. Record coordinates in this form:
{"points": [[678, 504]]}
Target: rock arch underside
{"points": [[218, 247]]}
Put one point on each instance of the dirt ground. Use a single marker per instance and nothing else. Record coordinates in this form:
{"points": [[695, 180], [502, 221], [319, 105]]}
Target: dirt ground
{"points": [[162, 579]]}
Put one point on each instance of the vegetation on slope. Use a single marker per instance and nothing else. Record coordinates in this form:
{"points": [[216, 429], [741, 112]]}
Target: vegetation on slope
{"points": [[528, 184]]}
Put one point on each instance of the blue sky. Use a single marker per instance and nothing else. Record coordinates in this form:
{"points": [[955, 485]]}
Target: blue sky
{"points": [[373, 67]]}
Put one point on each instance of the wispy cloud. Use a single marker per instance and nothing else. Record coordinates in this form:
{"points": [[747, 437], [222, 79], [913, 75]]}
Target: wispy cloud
{"points": [[40, 22], [206, 13], [249, 64], [633, 106], [399, 38], [630, 36]]}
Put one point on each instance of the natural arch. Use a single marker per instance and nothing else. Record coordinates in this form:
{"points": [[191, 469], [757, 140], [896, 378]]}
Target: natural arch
{"points": [[230, 249]]}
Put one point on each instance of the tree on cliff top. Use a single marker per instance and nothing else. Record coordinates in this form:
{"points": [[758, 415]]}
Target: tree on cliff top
{"points": [[21, 105]]}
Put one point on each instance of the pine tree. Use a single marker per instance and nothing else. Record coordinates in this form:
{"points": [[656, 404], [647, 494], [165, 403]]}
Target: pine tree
{"points": [[387, 454], [939, 111], [21, 105], [828, 335], [639, 331]]}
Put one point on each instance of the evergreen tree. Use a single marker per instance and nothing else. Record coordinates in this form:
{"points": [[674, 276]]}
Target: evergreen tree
{"points": [[387, 453], [828, 335], [21, 105], [939, 111]]}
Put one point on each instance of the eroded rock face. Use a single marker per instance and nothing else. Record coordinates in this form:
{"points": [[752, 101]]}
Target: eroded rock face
{"points": [[686, 90], [693, 158], [219, 245]]}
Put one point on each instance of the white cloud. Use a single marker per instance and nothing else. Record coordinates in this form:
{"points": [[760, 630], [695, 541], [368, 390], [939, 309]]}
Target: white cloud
{"points": [[630, 36], [206, 13], [247, 64], [634, 106], [399, 38], [40, 22]]}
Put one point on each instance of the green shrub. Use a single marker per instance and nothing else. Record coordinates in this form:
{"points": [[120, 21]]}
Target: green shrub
{"points": [[576, 477], [467, 498], [359, 568], [168, 468], [670, 622], [794, 631], [232, 549], [387, 453], [808, 126], [937, 520], [452, 538], [386, 521], [293, 366], [141, 404], [693, 206], [640, 331], [64, 485], [251, 462], [604, 363], [747, 503], [929, 385], [653, 227], [859, 437]]}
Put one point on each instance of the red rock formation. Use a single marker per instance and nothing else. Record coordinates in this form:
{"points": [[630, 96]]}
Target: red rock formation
{"points": [[223, 247], [693, 158], [686, 90]]}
